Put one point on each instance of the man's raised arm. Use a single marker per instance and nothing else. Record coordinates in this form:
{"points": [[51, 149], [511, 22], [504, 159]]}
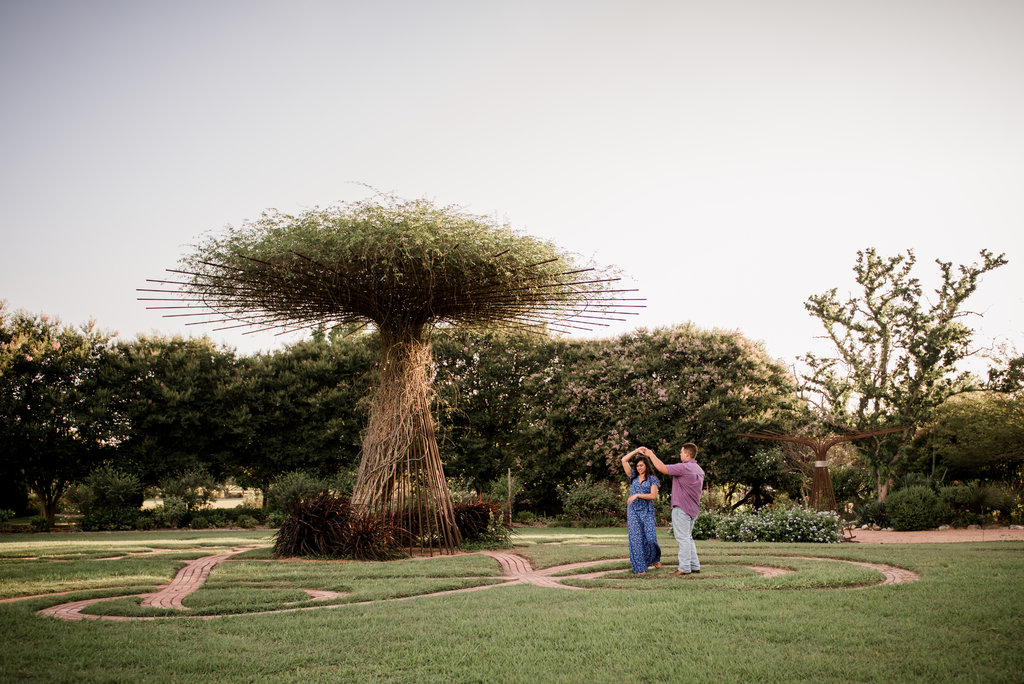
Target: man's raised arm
{"points": [[655, 461]]}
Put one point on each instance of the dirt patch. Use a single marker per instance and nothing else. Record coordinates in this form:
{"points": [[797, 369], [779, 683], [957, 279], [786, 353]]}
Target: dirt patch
{"points": [[987, 534]]}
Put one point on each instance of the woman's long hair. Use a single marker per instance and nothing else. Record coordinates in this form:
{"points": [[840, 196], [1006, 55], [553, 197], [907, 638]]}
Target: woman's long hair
{"points": [[648, 467]]}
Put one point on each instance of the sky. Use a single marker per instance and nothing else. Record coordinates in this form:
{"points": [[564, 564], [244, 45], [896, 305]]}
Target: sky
{"points": [[731, 157]]}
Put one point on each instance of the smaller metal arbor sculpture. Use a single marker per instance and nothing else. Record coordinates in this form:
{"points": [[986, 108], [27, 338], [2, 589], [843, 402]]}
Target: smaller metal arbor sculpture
{"points": [[404, 267], [823, 497]]}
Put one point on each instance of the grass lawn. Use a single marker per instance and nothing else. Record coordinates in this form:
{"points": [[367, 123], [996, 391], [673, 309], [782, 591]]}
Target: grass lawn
{"points": [[824, 620]]}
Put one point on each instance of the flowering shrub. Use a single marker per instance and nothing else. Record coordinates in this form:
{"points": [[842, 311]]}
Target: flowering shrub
{"points": [[706, 525], [773, 525]]}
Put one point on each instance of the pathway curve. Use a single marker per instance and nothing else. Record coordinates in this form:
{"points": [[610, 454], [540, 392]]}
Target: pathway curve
{"points": [[515, 569]]}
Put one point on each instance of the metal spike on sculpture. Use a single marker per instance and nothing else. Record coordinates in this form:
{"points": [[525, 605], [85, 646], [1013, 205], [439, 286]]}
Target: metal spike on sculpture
{"points": [[823, 497], [404, 267]]}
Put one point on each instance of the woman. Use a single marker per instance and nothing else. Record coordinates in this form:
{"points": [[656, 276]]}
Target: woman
{"points": [[643, 492]]}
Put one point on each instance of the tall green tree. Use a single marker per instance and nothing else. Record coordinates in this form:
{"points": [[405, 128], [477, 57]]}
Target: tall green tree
{"points": [[897, 353], [57, 419], [558, 410], [181, 406], [306, 408], [979, 435], [481, 401]]}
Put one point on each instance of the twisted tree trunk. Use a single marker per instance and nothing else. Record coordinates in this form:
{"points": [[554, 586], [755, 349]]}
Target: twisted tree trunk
{"points": [[400, 473]]}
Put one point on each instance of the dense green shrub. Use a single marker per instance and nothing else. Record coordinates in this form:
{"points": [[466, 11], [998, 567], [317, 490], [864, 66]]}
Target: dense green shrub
{"points": [[916, 507], [246, 522], [343, 482], [527, 517], [291, 489], [706, 525], [6, 514], [208, 518], [109, 499], [963, 503], [587, 500], [871, 513], [171, 513], [196, 488], [780, 524], [39, 523], [974, 503], [275, 518]]}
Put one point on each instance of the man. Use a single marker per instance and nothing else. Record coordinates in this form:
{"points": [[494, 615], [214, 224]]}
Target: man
{"points": [[687, 485]]}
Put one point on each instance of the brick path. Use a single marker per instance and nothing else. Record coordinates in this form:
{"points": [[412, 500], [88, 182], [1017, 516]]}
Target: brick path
{"points": [[188, 579], [514, 570]]}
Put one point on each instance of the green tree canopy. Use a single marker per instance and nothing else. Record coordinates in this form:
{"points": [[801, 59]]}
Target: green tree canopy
{"points": [[56, 418], [179, 402], [979, 435], [306, 408], [557, 410], [897, 353]]}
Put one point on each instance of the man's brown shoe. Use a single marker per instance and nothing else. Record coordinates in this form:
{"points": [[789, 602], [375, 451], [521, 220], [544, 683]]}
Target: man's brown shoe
{"points": [[679, 572]]}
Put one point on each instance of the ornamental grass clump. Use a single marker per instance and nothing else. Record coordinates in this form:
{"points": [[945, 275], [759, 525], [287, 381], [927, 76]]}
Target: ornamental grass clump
{"points": [[330, 526]]}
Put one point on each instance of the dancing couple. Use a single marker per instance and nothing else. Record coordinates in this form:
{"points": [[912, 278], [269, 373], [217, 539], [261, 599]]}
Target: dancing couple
{"points": [[687, 484]]}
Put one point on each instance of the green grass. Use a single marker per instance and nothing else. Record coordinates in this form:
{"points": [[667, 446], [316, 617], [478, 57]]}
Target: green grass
{"points": [[963, 621]]}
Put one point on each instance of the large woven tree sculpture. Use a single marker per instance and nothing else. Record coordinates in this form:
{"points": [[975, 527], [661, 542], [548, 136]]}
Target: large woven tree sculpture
{"points": [[822, 497], [405, 268]]}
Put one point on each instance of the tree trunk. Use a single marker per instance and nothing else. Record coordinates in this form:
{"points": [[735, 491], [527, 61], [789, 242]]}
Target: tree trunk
{"points": [[400, 473], [48, 498]]}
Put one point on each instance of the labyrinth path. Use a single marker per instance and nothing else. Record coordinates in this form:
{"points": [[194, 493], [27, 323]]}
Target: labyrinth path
{"points": [[515, 569]]}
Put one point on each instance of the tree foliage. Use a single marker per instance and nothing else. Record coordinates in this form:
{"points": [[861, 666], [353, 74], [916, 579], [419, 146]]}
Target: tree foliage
{"points": [[976, 435], [559, 410], [180, 403], [897, 354], [57, 420], [306, 407]]}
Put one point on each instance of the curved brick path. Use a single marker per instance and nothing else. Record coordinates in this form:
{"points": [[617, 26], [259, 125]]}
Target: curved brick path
{"points": [[188, 579], [514, 570]]}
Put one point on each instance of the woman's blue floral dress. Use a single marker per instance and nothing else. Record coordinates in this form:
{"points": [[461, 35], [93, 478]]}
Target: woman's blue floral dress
{"points": [[643, 536]]}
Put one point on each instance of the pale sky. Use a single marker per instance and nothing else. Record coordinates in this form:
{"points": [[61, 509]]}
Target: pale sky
{"points": [[732, 156]]}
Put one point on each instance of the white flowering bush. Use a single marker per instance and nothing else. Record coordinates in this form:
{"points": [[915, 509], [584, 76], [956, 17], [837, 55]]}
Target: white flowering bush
{"points": [[792, 524]]}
